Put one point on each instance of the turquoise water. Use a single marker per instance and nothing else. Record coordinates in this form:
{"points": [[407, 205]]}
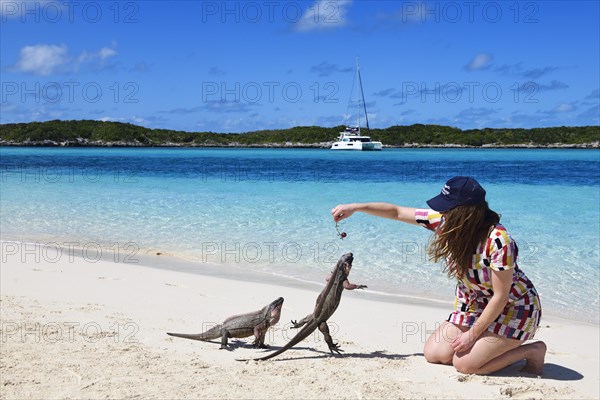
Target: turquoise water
{"points": [[269, 210]]}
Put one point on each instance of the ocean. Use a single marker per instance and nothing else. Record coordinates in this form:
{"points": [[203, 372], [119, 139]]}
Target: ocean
{"points": [[269, 211]]}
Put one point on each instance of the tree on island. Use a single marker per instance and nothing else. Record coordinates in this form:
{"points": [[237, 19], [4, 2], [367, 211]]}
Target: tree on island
{"points": [[97, 133]]}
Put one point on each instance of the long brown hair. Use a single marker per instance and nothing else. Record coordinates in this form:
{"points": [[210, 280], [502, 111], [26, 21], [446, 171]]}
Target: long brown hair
{"points": [[463, 229]]}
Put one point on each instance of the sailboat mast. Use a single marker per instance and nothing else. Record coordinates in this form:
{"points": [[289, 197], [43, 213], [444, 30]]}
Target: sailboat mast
{"points": [[362, 93], [357, 98]]}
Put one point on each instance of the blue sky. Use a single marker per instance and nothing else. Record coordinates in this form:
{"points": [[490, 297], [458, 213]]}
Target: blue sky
{"points": [[240, 66]]}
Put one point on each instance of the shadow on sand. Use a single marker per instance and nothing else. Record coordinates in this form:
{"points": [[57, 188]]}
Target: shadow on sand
{"points": [[551, 372], [318, 354]]}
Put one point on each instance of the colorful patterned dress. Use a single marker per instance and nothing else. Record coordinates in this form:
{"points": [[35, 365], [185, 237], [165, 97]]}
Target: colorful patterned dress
{"points": [[521, 315]]}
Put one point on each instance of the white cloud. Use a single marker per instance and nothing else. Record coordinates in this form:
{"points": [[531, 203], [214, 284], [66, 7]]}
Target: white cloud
{"points": [[45, 59], [106, 52], [139, 120], [323, 14], [101, 55], [564, 107], [479, 62], [132, 119]]}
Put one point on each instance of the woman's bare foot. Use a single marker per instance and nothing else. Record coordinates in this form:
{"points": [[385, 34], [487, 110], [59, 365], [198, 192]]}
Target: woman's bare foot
{"points": [[535, 358]]}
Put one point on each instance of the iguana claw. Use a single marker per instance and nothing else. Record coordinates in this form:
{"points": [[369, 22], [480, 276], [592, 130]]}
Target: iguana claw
{"points": [[335, 347]]}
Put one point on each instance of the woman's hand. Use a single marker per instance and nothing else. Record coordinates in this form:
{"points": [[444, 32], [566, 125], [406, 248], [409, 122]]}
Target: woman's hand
{"points": [[342, 211], [464, 341]]}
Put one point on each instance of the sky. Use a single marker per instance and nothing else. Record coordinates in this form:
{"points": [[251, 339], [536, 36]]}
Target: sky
{"points": [[237, 66]]}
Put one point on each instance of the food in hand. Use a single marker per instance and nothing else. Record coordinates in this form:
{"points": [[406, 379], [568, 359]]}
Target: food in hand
{"points": [[342, 235]]}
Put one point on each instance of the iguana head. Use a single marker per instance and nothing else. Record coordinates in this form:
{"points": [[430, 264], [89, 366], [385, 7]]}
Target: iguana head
{"points": [[274, 311], [345, 264]]}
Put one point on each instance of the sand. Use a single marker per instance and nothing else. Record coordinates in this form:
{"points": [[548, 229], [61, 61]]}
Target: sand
{"points": [[72, 328]]}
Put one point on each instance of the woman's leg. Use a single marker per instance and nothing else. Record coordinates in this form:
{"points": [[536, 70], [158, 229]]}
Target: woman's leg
{"points": [[492, 352], [437, 348]]}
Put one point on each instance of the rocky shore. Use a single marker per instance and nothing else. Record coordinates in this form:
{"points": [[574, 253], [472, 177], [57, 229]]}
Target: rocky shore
{"points": [[80, 142]]}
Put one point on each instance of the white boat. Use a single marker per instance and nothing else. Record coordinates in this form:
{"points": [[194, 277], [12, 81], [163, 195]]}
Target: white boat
{"points": [[351, 138]]}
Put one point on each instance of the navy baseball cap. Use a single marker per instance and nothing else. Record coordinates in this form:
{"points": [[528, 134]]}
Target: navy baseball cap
{"points": [[458, 191]]}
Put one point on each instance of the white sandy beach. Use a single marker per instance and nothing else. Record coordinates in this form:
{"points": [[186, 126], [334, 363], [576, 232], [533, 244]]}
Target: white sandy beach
{"points": [[77, 329]]}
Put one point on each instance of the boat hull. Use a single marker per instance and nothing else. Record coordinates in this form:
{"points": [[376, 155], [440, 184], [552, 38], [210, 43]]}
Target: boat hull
{"points": [[372, 146], [357, 146]]}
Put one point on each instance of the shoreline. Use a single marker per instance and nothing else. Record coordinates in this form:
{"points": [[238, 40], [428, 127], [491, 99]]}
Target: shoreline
{"points": [[73, 329], [114, 134], [324, 145], [165, 261]]}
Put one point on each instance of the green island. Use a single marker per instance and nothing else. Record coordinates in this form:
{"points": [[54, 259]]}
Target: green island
{"points": [[109, 134]]}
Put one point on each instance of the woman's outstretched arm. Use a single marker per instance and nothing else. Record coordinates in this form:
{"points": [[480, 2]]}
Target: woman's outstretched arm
{"points": [[383, 210]]}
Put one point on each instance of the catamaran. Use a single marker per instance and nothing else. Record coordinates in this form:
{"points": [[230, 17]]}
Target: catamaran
{"points": [[351, 138]]}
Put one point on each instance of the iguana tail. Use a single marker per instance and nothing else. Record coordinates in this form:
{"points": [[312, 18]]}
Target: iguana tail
{"points": [[300, 336], [212, 333]]}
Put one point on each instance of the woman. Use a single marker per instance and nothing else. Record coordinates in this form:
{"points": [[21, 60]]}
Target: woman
{"points": [[497, 307]]}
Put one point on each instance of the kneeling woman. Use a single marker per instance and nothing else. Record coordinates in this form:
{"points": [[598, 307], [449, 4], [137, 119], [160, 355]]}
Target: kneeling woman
{"points": [[497, 307]]}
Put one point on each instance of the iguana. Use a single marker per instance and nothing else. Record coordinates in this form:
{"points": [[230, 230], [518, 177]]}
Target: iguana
{"points": [[327, 303], [240, 326]]}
